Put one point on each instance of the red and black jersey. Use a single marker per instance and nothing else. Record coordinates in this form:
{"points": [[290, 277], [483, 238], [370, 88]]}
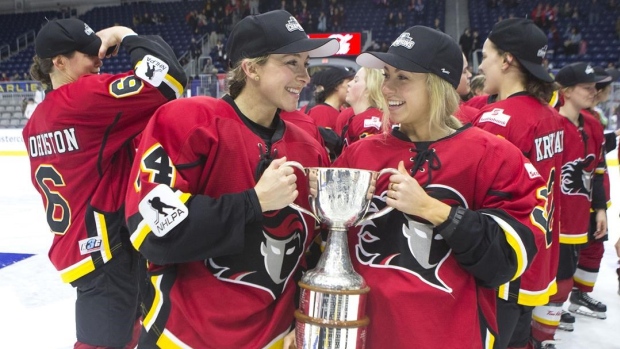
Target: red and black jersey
{"points": [[79, 141], [362, 125], [343, 119], [479, 102], [324, 115], [582, 177], [536, 129], [418, 273], [225, 274], [466, 113]]}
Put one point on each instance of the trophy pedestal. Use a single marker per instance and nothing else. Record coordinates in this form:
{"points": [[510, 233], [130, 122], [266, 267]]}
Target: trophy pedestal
{"points": [[328, 319], [333, 298]]}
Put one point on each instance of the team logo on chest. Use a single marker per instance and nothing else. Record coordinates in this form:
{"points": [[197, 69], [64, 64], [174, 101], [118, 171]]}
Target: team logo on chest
{"points": [[405, 243], [575, 179], [270, 255]]}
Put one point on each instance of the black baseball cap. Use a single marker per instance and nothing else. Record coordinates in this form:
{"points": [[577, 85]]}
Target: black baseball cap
{"points": [[274, 32], [578, 73], [331, 76], [420, 49], [525, 41], [614, 73], [64, 36]]}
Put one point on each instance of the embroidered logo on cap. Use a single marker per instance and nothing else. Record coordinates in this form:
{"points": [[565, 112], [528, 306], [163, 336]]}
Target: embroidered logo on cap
{"points": [[88, 30], [542, 52], [589, 70], [443, 70], [404, 40], [293, 25]]}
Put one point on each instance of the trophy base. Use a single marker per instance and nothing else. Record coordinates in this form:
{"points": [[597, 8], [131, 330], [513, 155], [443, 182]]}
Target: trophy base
{"points": [[331, 319], [325, 334]]}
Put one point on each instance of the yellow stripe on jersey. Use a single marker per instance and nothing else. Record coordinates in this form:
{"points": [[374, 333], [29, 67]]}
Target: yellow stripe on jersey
{"points": [[168, 341], [77, 270], [277, 343], [577, 239], [489, 341], [174, 84], [158, 302], [536, 298], [102, 231], [514, 240]]}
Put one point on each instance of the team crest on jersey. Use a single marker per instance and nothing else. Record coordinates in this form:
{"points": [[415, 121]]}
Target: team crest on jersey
{"points": [[495, 116], [575, 180], [152, 70], [270, 257], [407, 243]]}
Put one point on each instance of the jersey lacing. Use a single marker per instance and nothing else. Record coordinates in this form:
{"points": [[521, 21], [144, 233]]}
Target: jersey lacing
{"points": [[265, 160], [423, 156]]}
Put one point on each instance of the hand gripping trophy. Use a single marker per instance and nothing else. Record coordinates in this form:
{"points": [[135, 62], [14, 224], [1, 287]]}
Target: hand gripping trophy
{"points": [[331, 312]]}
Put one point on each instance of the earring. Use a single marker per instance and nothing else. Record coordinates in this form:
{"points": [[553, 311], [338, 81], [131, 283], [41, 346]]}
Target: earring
{"points": [[257, 78]]}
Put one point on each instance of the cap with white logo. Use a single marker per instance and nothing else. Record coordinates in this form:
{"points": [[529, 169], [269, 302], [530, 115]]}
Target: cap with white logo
{"points": [[420, 50], [274, 32], [578, 73], [64, 36]]}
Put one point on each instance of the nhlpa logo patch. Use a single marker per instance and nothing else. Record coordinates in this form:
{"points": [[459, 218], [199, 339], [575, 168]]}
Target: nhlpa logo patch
{"points": [[90, 245], [162, 210], [495, 116], [152, 70], [373, 122]]}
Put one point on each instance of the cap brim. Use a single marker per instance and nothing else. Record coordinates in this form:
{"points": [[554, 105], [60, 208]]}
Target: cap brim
{"points": [[537, 70], [92, 48], [314, 47], [598, 78], [378, 60]]}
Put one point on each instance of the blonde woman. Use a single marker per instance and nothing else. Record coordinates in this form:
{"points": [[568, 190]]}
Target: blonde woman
{"points": [[465, 202]]}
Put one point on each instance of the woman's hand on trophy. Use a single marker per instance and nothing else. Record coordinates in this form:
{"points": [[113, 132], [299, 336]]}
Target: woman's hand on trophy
{"points": [[289, 341], [277, 186], [406, 195]]}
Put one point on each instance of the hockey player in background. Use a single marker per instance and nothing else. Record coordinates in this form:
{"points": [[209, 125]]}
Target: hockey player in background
{"points": [[80, 144]]}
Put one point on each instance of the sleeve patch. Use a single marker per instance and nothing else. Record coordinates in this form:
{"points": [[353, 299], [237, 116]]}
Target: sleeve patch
{"points": [[531, 170], [373, 122], [152, 70], [162, 210], [495, 116]]}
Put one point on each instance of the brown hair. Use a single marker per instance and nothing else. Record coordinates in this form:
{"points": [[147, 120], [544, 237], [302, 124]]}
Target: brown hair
{"points": [[237, 78], [40, 70]]}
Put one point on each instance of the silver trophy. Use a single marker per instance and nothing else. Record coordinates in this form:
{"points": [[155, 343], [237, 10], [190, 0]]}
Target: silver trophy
{"points": [[331, 312]]}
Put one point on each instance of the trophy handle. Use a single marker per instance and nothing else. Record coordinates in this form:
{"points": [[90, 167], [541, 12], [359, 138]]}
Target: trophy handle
{"points": [[293, 205], [386, 209]]}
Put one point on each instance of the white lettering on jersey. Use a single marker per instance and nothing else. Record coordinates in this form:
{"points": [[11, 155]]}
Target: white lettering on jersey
{"points": [[152, 70], [549, 145], [90, 245], [495, 116], [162, 210], [373, 122], [50, 143], [531, 170]]}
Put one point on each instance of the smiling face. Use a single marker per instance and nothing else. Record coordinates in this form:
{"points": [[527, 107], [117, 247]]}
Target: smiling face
{"points": [[282, 78], [407, 97]]}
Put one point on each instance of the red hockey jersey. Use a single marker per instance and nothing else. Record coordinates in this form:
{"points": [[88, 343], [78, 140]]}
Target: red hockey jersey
{"points": [[427, 280], [362, 125], [224, 274], [79, 141], [325, 115], [582, 178], [536, 129]]}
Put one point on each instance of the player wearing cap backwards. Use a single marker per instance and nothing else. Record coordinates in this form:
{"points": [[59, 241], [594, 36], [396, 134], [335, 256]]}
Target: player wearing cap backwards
{"points": [[582, 190], [79, 141], [468, 206], [512, 59], [227, 251]]}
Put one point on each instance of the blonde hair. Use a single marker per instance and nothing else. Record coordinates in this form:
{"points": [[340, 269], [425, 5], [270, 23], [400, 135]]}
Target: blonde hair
{"points": [[374, 82], [236, 77], [443, 101]]}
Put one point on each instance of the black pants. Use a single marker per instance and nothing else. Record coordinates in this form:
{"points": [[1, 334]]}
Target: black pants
{"points": [[107, 301], [514, 324]]}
